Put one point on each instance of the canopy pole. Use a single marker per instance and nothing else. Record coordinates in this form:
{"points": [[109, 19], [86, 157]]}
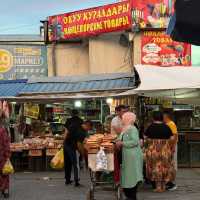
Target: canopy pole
{"points": [[101, 111]]}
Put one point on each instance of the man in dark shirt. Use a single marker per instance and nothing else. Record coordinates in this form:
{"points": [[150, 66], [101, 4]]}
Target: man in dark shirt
{"points": [[71, 155], [75, 120]]}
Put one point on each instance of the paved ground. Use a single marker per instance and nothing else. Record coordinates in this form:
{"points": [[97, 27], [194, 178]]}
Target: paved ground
{"points": [[34, 186]]}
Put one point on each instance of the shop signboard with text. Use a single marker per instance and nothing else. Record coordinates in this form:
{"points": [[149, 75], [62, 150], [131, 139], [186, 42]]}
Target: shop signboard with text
{"points": [[157, 48], [152, 13], [23, 61], [91, 22]]}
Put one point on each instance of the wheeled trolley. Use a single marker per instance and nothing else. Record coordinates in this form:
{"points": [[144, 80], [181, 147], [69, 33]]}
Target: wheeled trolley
{"points": [[100, 179]]}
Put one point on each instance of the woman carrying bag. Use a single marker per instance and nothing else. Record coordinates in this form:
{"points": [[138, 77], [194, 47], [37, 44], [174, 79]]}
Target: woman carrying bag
{"points": [[4, 154]]}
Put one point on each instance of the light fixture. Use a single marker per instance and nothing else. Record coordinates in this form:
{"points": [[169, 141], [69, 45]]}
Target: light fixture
{"points": [[56, 103], [109, 101], [78, 104]]}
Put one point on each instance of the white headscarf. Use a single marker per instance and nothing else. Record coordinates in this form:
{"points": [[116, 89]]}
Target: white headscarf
{"points": [[128, 119]]}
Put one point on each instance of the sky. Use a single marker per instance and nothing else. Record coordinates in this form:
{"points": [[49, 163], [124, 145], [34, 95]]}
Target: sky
{"points": [[23, 16]]}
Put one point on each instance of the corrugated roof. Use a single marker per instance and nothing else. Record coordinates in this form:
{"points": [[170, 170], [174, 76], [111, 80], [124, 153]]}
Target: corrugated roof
{"points": [[11, 88], [93, 83], [80, 78], [80, 84]]}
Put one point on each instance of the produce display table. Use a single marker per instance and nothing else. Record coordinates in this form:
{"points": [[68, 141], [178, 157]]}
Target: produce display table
{"points": [[37, 160], [31, 160], [34, 154]]}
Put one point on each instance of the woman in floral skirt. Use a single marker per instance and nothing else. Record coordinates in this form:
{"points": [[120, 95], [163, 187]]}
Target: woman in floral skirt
{"points": [[159, 153]]}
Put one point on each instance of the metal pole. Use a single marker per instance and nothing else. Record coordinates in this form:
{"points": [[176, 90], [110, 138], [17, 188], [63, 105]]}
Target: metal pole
{"points": [[54, 63], [101, 111]]}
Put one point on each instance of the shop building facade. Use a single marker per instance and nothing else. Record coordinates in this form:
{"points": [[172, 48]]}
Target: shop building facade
{"points": [[96, 67], [96, 55], [22, 57]]}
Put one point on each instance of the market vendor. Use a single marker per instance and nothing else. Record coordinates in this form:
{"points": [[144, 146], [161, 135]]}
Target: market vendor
{"points": [[116, 124]]}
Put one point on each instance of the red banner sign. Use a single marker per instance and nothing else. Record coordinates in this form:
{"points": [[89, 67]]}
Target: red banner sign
{"points": [[89, 22], [152, 13], [159, 49]]}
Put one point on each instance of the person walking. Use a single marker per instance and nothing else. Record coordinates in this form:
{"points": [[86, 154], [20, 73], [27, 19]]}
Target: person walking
{"points": [[132, 157], [170, 123], [71, 155], [4, 156], [159, 153]]}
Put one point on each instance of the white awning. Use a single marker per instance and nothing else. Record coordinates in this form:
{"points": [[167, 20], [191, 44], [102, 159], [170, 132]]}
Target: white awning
{"points": [[168, 82], [167, 78]]}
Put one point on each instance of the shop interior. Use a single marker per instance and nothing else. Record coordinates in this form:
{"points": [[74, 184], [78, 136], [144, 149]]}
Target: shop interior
{"points": [[37, 130], [187, 119]]}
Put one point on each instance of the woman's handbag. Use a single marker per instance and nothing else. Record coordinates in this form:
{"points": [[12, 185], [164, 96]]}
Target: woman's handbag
{"points": [[8, 168]]}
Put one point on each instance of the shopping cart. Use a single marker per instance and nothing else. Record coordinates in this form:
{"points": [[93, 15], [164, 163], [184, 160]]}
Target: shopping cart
{"points": [[102, 179]]}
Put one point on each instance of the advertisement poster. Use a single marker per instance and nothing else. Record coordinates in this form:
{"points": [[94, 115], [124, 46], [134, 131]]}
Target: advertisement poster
{"points": [[90, 22], [31, 110], [152, 13], [159, 49], [22, 62]]}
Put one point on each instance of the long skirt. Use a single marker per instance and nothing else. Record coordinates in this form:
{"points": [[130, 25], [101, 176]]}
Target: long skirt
{"points": [[159, 161], [4, 182]]}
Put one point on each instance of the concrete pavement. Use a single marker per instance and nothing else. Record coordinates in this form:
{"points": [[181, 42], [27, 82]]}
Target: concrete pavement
{"points": [[50, 186]]}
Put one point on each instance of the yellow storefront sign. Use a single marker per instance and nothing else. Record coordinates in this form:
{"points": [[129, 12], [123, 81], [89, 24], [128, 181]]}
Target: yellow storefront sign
{"points": [[6, 61]]}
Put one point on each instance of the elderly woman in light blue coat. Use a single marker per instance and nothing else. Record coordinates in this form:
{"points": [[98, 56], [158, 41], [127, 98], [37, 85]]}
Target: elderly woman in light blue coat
{"points": [[132, 156]]}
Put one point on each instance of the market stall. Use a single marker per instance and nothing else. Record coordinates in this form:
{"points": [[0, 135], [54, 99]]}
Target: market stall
{"points": [[42, 106], [178, 90]]}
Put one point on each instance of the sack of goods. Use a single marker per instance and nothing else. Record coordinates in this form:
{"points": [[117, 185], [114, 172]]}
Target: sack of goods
{"points": [[8, 168], [58, 160], [101, 160]]}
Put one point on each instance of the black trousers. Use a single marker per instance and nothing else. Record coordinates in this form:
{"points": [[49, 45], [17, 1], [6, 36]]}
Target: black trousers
{"points": [[71, 161], [131, 193]]}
